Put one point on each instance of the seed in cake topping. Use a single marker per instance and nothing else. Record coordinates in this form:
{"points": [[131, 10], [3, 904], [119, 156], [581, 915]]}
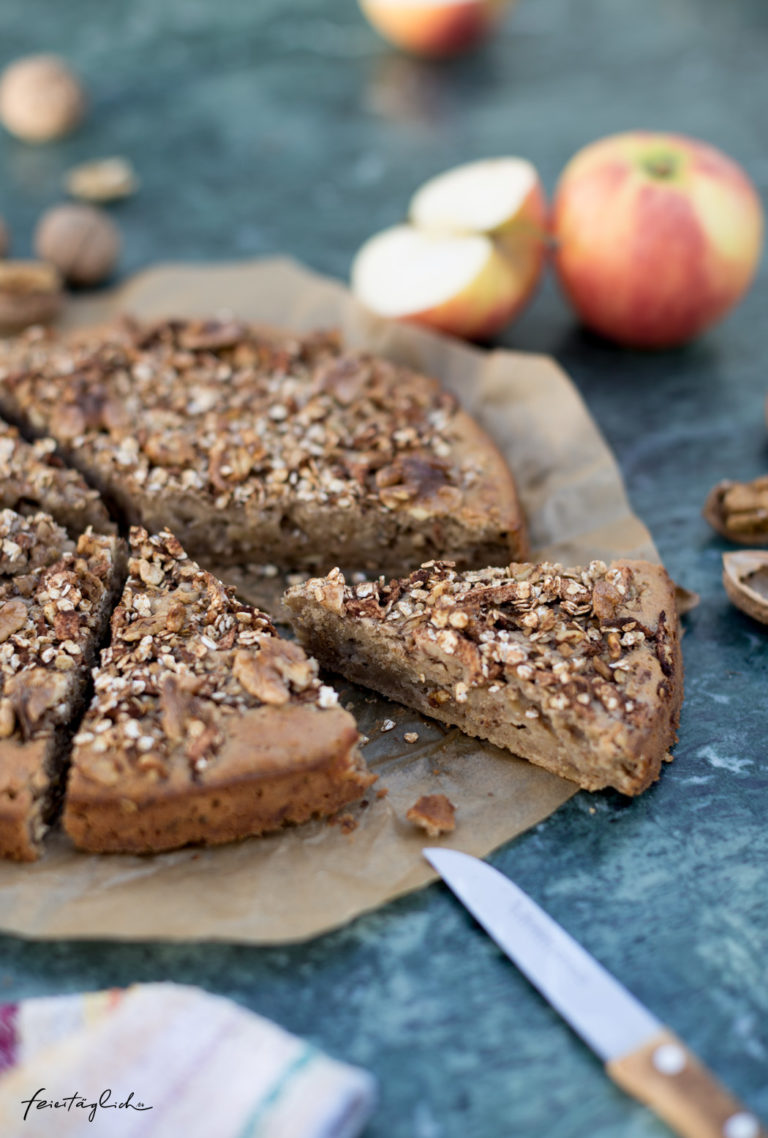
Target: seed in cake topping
{"points": [[7, 718]]}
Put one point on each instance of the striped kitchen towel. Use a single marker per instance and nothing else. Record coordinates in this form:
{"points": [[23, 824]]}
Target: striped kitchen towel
{"points": [[168, 1061]]}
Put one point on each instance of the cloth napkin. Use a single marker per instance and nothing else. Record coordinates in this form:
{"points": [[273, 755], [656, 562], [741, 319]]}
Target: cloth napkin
{"points": [[168, 1061]]}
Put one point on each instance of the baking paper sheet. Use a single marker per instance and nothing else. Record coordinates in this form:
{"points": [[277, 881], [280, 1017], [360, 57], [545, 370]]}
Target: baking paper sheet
{"points": [[306, 880]]}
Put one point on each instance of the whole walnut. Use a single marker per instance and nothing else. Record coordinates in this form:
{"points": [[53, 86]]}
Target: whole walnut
{"points": [[40, 98], [80, 240]]}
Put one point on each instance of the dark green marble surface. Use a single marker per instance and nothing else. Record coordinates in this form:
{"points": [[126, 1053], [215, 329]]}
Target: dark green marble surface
{"points": [[261, 126]]}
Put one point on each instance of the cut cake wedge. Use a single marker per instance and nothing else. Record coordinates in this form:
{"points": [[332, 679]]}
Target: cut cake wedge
{"points": [[578, 670], [55, 600], [255, 447], [204, 726]]}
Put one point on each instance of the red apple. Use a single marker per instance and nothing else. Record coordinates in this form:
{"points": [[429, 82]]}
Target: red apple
{"points": [[434, 27], [657, 236]]}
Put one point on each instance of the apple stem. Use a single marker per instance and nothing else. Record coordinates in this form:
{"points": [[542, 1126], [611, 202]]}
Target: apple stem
{"points": [[661, 166]]}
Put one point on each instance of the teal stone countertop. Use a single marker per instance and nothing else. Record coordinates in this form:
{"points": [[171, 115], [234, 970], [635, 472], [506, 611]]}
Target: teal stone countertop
{"points": [[261, 126]]}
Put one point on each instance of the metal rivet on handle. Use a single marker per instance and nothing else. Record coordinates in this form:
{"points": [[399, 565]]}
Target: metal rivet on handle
{"points": [[669, 1059], [741, 1125]]}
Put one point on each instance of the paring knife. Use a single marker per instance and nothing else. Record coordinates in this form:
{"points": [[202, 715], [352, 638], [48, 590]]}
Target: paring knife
{"points": [[641, 1055]]}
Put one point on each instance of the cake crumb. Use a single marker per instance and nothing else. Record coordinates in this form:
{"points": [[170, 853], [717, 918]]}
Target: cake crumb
{"points": [[347, 823], [387, 725], [434, 813], [382, 792], [411, 736]]}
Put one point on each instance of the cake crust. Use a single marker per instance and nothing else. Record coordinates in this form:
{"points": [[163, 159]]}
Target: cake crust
{"points": [[205, 726], [578, 670], [257, 447]]}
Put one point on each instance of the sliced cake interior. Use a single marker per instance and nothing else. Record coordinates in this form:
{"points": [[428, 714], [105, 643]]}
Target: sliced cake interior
{"points": [[578, 670], [204, 726], [269, 449], [34, 479], [55, 600]]}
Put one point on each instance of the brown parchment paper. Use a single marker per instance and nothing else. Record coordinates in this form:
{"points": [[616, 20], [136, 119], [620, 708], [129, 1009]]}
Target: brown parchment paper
{"points": [[306, 880]]}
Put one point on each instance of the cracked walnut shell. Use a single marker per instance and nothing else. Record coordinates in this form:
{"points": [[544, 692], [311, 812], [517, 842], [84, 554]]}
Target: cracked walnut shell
{"points": [[30, 293], [745, 577], [739, 510]]}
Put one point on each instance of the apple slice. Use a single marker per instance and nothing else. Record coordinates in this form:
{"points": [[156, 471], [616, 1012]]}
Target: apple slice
{"points": [[499, 197], [434, 27], [454, 283]]}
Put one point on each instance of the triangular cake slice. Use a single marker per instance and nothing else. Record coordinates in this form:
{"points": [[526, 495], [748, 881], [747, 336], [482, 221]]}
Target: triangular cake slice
{"points": [[578, 670], [55, 599], [267, 448], [204, 726], [33, 479]]}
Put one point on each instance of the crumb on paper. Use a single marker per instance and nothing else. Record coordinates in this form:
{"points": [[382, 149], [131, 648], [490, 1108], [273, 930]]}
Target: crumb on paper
{"points": [[411, 736], [387, 725], [347, 823], [434, 813]]}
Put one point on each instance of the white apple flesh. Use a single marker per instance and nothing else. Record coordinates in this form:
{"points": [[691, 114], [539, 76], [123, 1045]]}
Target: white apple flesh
{"points": [[460, 284]]}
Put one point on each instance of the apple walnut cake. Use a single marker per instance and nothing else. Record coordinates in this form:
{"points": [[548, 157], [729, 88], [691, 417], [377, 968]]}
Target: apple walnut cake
{"points": [[578, 670], [55, 600], [256, 448], [204, 726]]}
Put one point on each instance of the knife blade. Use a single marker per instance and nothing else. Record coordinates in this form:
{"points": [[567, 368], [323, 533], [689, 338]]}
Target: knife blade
{"points": [[640, 1054]]}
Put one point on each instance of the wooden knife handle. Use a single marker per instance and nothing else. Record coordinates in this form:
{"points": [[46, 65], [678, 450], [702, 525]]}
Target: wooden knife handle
{"points": [[667, 1077]]}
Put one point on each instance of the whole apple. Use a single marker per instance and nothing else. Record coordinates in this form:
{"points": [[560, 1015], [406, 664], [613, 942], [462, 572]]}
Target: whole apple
{"points": [[656, 236]]}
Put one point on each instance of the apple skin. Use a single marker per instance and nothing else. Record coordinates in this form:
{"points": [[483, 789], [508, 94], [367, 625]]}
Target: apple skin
{"points": [[482, 309], [521, 242], [434, 30], [656, 237]]}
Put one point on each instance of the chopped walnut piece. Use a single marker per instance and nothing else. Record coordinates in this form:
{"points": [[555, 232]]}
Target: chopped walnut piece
{"points": [[434, 813], [259, 678], [13, 616]]}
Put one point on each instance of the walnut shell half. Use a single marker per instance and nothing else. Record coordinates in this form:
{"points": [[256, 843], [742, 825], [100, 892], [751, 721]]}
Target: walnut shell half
{"points": [[745, 577]]}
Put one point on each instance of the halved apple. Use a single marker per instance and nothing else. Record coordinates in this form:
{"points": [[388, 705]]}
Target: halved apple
{"points": [[434, 27], [500, 197], [459, 284]]}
